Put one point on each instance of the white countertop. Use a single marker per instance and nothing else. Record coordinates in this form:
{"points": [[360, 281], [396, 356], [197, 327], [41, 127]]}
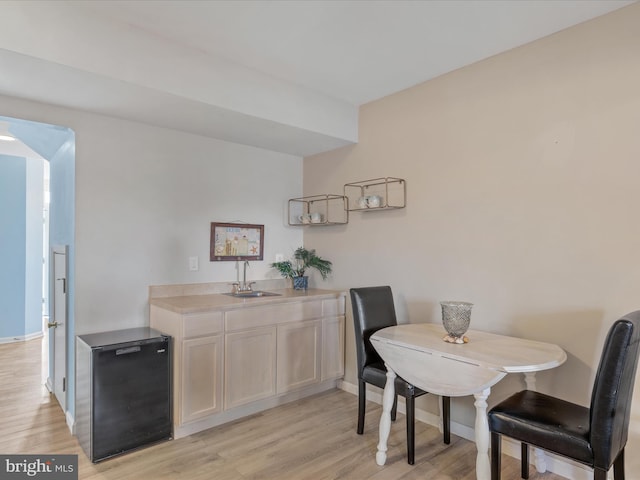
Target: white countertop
{"points": [[184, 304]]}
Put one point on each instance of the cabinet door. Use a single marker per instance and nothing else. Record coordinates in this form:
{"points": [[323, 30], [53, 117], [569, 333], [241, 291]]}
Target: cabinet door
{"points": [[332, 347], [202, 377], [298, 354], [250, 366]]}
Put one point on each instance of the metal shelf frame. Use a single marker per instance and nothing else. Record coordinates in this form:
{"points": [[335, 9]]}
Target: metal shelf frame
{"points": [[327, 205], [379, 186]]}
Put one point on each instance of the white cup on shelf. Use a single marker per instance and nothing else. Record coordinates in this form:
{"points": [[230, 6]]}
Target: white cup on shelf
{"points": [[374, 201], [317, 217], [304, 218]]}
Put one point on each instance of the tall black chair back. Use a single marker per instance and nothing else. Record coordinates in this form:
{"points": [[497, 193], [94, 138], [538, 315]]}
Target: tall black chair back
{"points": [[373, 309], [596, 435], [613, 391]]}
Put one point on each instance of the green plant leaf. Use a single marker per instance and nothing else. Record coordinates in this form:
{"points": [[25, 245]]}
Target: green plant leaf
{"points": [[303, 259]]}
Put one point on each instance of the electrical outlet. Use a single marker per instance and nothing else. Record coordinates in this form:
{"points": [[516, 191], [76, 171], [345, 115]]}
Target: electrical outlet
{"points": [[193, 264], [279, 257]]}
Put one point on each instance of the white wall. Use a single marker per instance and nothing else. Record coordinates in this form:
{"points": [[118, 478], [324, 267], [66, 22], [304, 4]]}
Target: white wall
{"points": [[145, 198], [145, 201]]}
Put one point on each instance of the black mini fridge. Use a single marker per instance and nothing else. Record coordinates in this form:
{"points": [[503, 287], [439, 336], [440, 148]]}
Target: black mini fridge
{"points": [[123, 391]]}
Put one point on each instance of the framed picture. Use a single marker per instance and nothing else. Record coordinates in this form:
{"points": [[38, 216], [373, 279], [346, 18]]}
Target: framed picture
{"points": [[236, 241]]}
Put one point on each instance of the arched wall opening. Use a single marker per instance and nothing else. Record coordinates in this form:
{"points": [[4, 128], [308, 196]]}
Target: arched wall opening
{"points": [[37, 192]]}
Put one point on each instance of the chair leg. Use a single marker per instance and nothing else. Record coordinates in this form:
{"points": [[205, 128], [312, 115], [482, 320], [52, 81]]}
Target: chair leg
{"points": [[446, 416], [411, 433], [495, 456], [599, 474], [394, 409], [618, 466], [362, 400], [524, 463]]}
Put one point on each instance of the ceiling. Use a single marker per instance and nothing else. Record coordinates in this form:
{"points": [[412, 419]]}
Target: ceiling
{"points": [[282, 75], [353, 50]]}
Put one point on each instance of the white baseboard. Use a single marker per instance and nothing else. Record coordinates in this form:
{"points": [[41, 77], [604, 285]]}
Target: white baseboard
{"points": [[558, 465], [71, 423], [21, 338]]}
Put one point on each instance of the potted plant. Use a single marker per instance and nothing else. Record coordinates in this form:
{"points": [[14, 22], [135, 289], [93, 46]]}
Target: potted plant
{"points": [[303, 259]]}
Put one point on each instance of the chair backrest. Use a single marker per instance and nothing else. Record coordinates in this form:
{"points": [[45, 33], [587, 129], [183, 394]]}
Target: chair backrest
{"points": [[373, 309], [613, 389]]}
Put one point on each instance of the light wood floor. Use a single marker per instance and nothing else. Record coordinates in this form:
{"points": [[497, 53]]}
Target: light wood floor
{"points": [[312, 439]]}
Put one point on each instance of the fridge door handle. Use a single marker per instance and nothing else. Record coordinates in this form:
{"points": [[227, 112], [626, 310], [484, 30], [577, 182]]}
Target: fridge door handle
{"points": [[125, 351]]}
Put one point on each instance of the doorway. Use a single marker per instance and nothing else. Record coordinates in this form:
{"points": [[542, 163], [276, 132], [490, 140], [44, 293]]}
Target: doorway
{"points": [[55, 145]]}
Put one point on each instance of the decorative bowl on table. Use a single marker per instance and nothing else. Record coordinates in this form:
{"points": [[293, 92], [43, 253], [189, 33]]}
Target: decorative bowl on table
{"points": [[456, 317]]}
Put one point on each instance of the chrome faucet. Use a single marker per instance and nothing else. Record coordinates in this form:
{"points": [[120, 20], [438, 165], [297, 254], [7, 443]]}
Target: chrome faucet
{"points": [[244, 286]]}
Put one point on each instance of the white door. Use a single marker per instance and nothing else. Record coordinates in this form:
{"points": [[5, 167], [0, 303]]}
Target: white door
{"points": [[58, 324]]}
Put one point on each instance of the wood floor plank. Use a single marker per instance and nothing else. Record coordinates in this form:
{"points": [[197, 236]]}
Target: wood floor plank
{"points": [[309, 439]]}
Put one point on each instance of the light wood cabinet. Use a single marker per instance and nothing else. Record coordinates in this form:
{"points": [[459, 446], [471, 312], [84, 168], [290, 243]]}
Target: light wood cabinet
{"points": [[333, 318], [250, 366], [198, 345], [201, 369], [238, 359], [299, 354], [332, 347]]}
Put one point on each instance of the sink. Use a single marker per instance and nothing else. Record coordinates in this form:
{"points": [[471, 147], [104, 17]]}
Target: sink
{"points": [[252, 294]]}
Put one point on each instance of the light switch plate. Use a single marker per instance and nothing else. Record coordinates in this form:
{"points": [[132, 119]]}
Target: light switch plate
{"points": [[193, 264]]}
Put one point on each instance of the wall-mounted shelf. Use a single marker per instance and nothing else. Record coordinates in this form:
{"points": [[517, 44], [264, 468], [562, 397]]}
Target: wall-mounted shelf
{"points": [[318, 210], [376, 194]]}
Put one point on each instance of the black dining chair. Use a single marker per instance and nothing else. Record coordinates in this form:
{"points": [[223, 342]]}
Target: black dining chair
{"points": [[594, 436], [373, 309]]}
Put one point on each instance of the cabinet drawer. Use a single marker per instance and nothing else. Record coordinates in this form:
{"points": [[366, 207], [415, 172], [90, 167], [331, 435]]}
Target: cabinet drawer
{"points": [[244, 318], [198, 324], [333, 307]]}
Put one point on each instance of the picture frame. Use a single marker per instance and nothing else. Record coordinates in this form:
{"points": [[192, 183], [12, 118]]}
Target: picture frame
{"points": [[236, 242]]}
